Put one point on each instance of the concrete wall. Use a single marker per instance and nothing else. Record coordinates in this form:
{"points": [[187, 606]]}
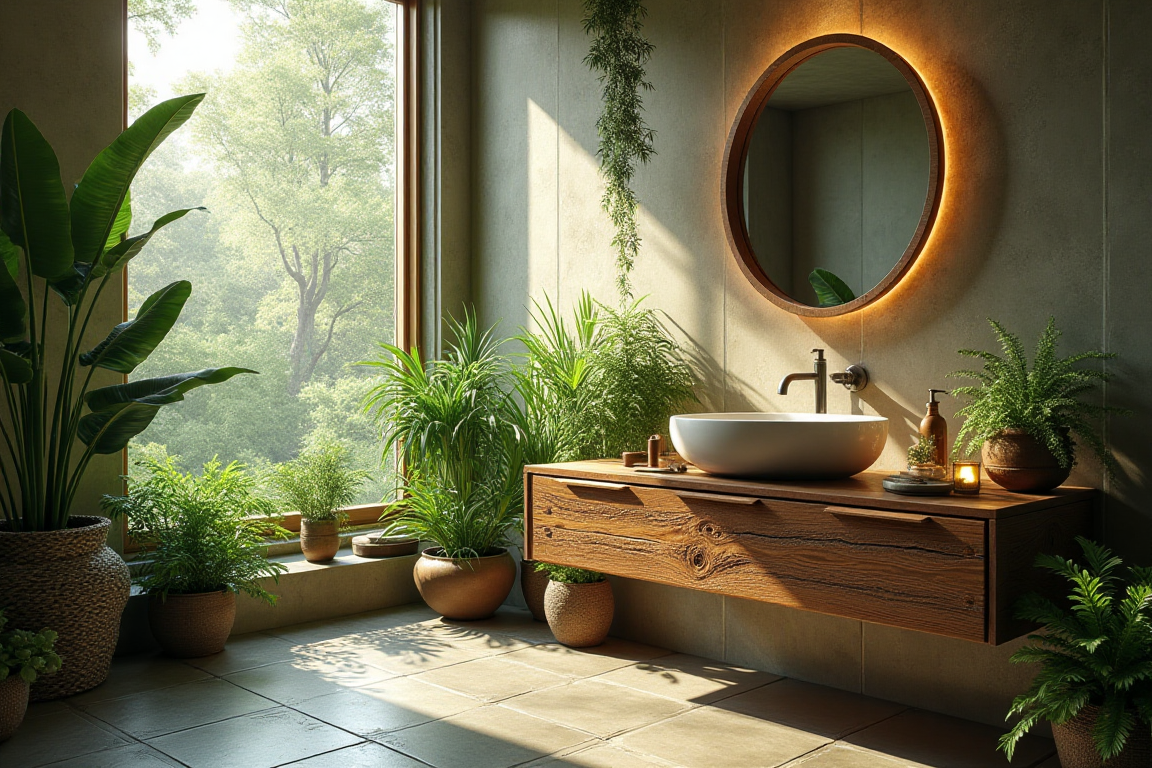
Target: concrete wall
{"points": [[1046, 111]]}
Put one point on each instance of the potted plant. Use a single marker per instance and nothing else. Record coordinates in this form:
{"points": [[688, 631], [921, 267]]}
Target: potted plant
{"points": [[65, 251], [578, 604], [455, 424], [922, 459], [205, 535], [1023, 420], [318, 484], [1095, 655], [24, 656]]}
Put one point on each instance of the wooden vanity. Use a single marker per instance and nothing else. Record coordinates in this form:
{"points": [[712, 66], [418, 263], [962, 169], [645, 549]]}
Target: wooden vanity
{"points": [[950, 565]]}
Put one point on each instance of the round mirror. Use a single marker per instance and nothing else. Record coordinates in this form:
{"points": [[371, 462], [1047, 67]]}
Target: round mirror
{"points": [[832, 175]]}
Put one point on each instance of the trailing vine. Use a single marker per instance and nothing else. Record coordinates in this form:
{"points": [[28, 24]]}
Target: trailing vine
{"points": [[619, 52]]}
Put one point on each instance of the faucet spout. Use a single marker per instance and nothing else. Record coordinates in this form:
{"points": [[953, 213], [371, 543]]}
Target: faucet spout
{"points": [[819, 375], [787, 380]]}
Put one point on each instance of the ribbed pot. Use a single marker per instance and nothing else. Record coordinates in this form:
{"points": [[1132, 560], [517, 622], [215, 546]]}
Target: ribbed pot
{"points": [[69, 581], [579, 615], [1076, 748], [319, 540], [466, 589], [13, 704], [190, 626], [1018, 462], [532, 585]]}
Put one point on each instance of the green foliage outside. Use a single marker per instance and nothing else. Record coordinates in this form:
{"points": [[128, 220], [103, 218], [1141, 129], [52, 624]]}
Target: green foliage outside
{"points": [[924, 452], [26, 653], [318, 483], [204, 531], [1042, 400], [1095, 650], [566, 575]]}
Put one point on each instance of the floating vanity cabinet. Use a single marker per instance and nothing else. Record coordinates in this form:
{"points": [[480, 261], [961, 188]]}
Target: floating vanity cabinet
{"points": [[951, 565]]}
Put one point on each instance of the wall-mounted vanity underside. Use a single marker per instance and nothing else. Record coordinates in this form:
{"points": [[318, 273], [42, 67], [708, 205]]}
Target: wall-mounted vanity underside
{"points": [[953, 565]]}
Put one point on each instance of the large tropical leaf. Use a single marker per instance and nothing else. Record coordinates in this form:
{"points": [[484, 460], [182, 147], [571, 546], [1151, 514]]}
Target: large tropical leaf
{"points": [[109, 431], [100, 195], [123, 252], [122, 222], [130, 343], [13, 311], [17, 370], [33, 206], [10, 255], [162, 390], [69, 287], [830, 290]]}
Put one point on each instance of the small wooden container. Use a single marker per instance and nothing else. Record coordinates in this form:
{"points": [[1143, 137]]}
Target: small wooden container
{"points": [[385, 546]]}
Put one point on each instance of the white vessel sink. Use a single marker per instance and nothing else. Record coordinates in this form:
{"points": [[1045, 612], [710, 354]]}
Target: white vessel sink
{"points": [[782, 446]]}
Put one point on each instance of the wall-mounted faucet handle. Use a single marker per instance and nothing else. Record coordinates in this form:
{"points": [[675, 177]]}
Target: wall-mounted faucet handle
{"points": [[854, 379]]}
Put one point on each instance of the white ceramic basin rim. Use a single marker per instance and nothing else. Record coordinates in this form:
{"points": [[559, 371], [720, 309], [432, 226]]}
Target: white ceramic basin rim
{"points": [[782, 446]]}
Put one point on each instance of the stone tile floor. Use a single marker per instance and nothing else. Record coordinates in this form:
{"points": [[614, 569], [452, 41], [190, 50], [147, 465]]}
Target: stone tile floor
{"points": [[401, 688]]}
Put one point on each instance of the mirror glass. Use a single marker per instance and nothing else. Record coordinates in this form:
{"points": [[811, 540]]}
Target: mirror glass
{"points": [[836, 174]]}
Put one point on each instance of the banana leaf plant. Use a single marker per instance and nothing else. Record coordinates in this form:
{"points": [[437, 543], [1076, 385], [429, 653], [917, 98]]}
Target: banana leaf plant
{"points": [[57, 249]]}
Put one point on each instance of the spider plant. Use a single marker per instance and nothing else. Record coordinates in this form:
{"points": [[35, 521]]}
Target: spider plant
{"points": [[1094, 652], [1043, 401]]}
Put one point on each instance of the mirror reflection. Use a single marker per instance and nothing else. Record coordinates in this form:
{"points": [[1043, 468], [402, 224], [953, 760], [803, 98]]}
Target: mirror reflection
{"points": [[836, 176]]}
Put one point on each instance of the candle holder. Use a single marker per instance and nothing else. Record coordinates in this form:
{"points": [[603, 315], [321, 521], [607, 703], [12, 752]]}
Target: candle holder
{"points": [[966, 477]]}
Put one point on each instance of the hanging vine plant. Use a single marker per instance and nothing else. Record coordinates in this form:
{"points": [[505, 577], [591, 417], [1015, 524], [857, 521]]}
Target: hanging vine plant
{"points": [[619, 53]]}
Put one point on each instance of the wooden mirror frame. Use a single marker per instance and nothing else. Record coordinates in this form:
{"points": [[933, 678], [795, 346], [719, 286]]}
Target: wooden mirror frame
{"points": [[736, 155]]}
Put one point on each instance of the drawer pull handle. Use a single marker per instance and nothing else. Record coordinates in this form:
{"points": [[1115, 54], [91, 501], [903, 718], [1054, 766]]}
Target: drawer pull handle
{"points": [[746, 500], [591, 484], [875, 514]]}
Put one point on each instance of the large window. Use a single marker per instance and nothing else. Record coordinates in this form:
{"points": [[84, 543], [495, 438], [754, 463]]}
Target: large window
{"points": [[293, 152]]}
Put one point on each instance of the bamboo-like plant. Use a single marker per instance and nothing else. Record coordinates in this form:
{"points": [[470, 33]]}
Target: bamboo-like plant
{"points": [[71, 248]]}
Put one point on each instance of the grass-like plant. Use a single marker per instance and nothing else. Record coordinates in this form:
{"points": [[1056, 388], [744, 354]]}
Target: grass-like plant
{"points": [[1095, 651], [205, 532], [319, 483], [568, 575], [923, 452], [1042, 400], [27, 654]]}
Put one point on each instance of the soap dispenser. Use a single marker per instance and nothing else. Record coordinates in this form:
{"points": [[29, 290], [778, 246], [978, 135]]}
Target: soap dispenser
{"points": [[934, 425]]}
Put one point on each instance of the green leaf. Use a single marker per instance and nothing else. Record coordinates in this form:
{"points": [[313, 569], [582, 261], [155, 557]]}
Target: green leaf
{"points": [[110, 431], [16, 369], [830, 290], [68, 288], [158, 391], [100, 195], [123, 252], [13, 311], [10, 255], [122, 223], [130, 343], [33, 206]]}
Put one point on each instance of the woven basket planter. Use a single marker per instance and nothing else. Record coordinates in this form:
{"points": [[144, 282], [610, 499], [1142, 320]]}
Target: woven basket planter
{"points": [[579, 615], [319, 540], [1076, 748], [532, 585], [71, 582], [190, 626], [13, 705], [466, 589]]}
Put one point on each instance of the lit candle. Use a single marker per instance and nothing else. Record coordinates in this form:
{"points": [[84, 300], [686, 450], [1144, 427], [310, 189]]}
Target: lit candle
{"points": [[966, 477]]}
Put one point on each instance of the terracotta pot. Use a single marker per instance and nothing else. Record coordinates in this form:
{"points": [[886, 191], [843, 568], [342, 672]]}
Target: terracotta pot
{"points": [[579, 615], [1018, 462], [532, 585], [319, 540], [465, 589], [71, 582], [13, 704], [386, 546], [1076, 748], [190, 626]]}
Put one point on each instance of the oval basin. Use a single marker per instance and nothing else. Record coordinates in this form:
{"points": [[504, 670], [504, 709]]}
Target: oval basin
{"points": [[781, 446]]}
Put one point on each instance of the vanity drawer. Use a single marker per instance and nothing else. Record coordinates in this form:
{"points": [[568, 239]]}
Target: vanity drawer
{"points": [[923, 572]]}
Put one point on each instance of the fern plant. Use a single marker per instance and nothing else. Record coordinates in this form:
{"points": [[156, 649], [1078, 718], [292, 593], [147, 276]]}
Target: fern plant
{"points": [[618, 53], [1094, 652], [1043, 400], [924, 452], [319, 483]]}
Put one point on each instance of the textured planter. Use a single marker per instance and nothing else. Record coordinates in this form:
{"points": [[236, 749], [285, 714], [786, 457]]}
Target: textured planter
{"points": [[466, 589], [532, 585], [579, 615], [319, 540], [190, 626], [1018, 462], [13, 704], [385, 546], [71, 582], [1076, 748]]}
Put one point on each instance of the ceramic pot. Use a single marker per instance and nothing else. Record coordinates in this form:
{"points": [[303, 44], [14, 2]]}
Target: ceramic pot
{"points": [[1018, 462], [190, 626], [319, 540], [1076, 748], [69, 581], [532, 585], [465, 589], [384, 546], [13, 704], [579, 615]]}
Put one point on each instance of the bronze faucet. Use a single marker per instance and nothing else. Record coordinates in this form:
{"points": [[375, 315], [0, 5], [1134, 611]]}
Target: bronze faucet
{"points": [[854, 379]]}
